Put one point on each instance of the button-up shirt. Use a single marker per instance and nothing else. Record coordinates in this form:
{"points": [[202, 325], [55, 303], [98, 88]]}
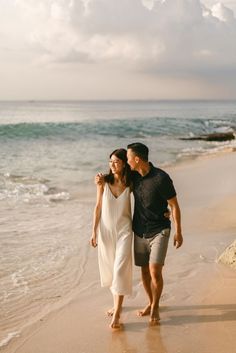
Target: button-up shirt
{"points": [[151, 193]]}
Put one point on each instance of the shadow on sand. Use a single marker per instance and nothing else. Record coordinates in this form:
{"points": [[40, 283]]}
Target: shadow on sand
{"points": [[174, 315], [139, 337], [193, 314]]}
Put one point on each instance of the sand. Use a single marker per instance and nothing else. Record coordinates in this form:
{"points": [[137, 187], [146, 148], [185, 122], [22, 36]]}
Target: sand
{"points": [[198, 306]]}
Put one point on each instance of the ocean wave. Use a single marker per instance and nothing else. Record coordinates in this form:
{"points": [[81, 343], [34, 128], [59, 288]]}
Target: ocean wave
{"points": [[218, 124], [120, 128], [209, 148], [29, 189]]}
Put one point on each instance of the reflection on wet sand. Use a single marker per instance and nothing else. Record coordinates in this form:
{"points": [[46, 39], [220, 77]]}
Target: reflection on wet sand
{"points": [[137, 337]]}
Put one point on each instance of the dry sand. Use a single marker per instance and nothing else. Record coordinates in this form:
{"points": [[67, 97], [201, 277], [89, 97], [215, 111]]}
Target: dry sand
{"points": [[198, 306]]}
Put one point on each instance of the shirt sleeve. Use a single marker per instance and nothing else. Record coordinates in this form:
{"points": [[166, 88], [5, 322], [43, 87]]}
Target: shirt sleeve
{"points": [[166, 187]]}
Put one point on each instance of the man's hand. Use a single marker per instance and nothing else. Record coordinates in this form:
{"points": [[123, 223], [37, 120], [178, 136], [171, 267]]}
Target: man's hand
{"points": [[99, 179], [175, 210], [178, 240]]}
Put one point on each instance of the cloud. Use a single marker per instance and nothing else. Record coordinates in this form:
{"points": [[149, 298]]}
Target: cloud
{"points": [[223, 13], [162, 37]]}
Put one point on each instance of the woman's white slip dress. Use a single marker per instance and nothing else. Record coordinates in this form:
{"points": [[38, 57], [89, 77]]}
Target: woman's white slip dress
{"points": [[115, 242]]}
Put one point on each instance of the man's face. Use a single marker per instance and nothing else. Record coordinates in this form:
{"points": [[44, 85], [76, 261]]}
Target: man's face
{"points": [[131, 159]]}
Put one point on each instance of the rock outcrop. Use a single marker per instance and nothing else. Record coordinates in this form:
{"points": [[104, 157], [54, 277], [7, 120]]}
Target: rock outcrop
{"points": [[229, 256], [219, 136]]}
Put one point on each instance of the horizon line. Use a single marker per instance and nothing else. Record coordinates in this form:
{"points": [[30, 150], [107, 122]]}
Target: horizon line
{"points": [[121, 100]]}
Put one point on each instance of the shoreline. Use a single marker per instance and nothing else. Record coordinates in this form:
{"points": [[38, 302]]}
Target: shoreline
{"points": [[208, 225], [182, 162]]}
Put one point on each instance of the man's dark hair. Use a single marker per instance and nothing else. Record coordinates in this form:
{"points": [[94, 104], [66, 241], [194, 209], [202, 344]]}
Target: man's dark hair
{"points": [[140, 150]]}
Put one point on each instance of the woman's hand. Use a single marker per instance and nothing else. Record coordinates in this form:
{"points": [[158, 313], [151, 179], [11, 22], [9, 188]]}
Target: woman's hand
{"points": [[99, 179], [167, 214], [93, 240]]}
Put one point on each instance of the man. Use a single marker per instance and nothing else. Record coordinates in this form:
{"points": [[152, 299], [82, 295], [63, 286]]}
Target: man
{"points": [[153, 193]]}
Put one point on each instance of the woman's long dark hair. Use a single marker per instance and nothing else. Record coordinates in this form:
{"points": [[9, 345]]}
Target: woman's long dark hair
{"points": [[120, 153]]}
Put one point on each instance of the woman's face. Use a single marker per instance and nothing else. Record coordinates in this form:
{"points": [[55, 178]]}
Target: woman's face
{"points": [[116, 165]]}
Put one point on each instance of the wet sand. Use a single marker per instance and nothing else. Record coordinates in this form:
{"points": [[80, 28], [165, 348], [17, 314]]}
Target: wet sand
{"points": [[198, 306]]}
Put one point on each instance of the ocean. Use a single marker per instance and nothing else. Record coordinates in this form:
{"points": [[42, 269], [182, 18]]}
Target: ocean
{"points": [[49, 153]]}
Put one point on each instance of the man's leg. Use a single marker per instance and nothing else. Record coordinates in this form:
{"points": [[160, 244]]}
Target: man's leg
{"points": [[159, 245], [141, 256], [146, 279], [157, 287]]}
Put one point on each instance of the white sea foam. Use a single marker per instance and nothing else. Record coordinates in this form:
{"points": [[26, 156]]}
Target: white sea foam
{"points": [[29, 189], [8, 338], [18, 280], [43, 255], [224, 129], [209, 148]]}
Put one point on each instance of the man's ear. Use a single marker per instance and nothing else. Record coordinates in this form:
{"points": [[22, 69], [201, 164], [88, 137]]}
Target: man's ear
{"points": [[136, 158]]}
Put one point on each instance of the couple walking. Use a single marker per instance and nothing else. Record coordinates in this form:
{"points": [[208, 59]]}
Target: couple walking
{"points": [[113, 226]]}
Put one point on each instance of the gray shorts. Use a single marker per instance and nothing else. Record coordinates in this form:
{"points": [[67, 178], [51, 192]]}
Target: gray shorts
{"points": [[151, 250]]}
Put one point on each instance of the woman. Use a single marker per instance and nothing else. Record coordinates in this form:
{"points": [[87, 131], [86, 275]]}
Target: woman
{"points": [[112, 231]]}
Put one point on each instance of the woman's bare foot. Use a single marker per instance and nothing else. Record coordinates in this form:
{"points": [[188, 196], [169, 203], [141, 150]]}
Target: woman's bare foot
{"points": [[115, 322], [154, 316], [146, 311], [110, 312]]}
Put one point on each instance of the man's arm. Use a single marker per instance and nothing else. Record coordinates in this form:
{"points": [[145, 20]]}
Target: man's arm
{"points": [[176, 214]]}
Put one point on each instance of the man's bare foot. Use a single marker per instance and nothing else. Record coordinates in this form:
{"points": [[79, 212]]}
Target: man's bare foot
{"points": [[115, 322], [154, 317], [146, 311], [110, 312]]}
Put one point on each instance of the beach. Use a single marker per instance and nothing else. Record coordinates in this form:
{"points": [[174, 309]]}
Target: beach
{"points": [[198, 309], [82, 79]]}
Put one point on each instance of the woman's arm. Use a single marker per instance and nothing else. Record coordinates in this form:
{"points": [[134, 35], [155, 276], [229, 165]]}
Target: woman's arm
{"points": [[97, 215]]}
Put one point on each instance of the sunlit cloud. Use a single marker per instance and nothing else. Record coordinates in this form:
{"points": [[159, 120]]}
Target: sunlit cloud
{"points": [[159, 36], [181, 39]]}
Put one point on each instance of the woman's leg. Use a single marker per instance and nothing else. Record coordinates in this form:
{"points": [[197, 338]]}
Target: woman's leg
{"points": [[122, 275], [118, 300], [110, 312]]}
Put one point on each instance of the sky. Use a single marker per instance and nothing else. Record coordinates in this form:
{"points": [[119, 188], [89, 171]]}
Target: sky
{"points": [[117, 49]]}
